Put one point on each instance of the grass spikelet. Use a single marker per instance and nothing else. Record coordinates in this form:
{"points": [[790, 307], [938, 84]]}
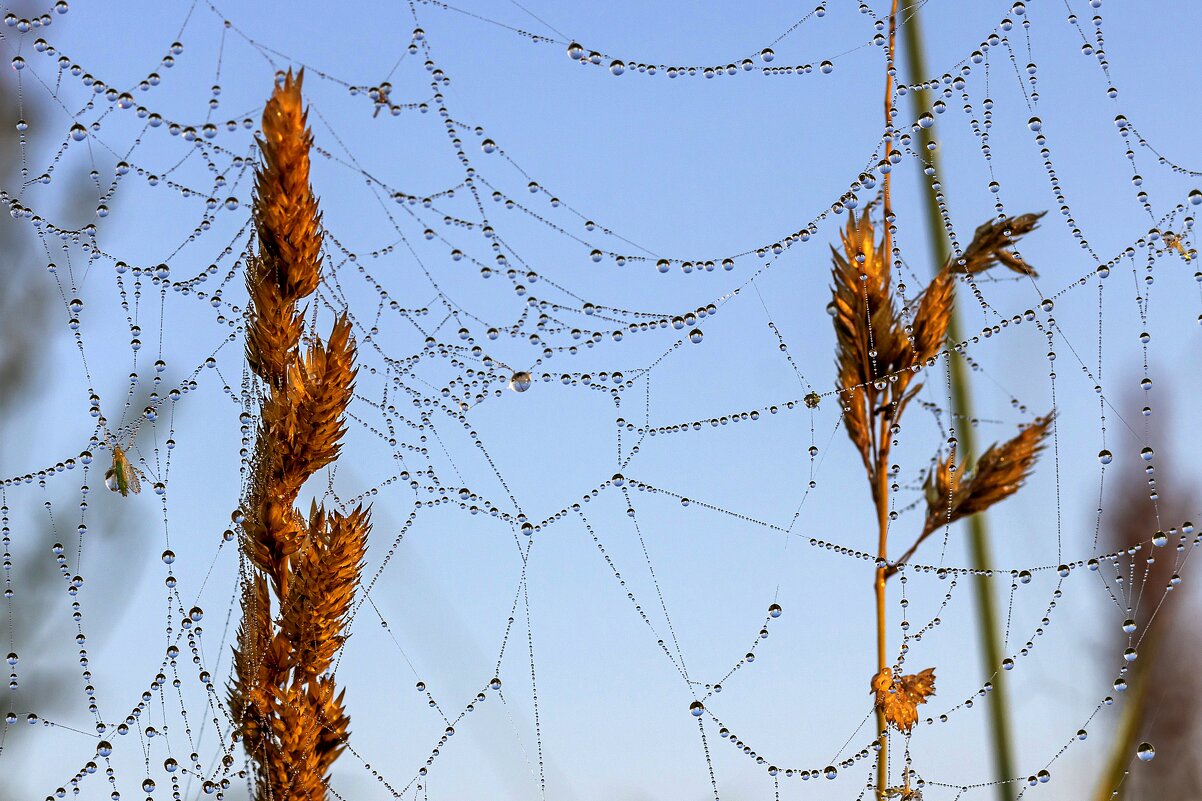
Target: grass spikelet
{"points": [[991, 242], [874, 351], [997, 475], [869, 339], [302, 572], [953, 494], [932, 314]]}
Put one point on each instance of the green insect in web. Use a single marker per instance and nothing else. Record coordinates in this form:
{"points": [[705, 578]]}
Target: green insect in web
{"points": [[122, 476]]}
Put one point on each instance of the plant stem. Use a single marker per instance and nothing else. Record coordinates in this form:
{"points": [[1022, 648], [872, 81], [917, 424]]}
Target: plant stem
{"points": [[987, 619], [882, 514], [881, 490]]}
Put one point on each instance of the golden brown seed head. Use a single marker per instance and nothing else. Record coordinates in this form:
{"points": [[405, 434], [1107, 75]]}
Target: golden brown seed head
{"points": [[991, 244], [302, 574], [997, 475]]}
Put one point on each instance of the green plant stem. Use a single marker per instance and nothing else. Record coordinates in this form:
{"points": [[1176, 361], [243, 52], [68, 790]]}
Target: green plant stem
{"points": [[978, 530]]}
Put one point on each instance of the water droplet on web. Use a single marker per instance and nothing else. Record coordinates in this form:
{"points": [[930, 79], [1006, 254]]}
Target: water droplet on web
{"points": [[826, 68], [520, 382], [78, 132], [697, 708], [696, 335], [1105, 456], [1146, 752]]}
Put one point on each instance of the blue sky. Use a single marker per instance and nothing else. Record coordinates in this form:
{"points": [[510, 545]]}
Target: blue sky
{"points": [[683, 168]]}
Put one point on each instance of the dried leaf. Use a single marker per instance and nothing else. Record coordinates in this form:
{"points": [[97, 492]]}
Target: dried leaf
{"points": [[899, 698]]}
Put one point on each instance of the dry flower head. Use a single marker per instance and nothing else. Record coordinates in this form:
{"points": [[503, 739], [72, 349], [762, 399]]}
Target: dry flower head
{"points": [[991, 244], [997, 474], [877, 348], [302, 572]]}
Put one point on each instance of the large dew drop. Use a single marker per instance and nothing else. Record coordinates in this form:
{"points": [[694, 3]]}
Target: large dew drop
{"points": [[520, 381]]}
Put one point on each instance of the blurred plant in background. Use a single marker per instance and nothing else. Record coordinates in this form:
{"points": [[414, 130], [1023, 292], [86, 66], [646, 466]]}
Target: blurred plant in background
{"points": [[1162, 706], [39, 599]]}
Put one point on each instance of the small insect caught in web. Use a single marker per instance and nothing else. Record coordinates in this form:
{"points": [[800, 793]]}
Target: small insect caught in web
{"points": [[122, 477]]}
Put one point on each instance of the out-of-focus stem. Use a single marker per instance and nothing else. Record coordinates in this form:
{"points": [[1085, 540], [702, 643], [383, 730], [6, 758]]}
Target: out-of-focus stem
{"points": [[978, 530]]}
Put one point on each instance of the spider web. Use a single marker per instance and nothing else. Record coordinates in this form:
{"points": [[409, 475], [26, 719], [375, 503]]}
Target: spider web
{"points": [[615, 549]]}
